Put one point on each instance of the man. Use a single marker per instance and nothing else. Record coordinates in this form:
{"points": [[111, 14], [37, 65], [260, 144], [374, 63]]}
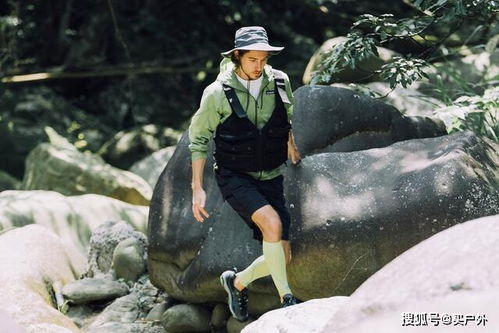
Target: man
{"points": [[249, 108]]}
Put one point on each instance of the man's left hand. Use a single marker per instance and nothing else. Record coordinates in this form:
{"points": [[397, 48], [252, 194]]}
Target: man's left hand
{"points": [[293, 153]]}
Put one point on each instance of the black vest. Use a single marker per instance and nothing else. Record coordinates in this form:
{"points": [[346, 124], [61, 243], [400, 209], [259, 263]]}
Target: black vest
{"points": [[241, 146]]}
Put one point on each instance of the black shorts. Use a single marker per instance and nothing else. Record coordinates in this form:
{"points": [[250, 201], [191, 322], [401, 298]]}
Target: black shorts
{"points": [[246, 195]]}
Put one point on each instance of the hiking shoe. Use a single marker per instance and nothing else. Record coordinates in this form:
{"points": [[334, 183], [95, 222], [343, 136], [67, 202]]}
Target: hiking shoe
{"points": [[237, 300], [289, 300]]}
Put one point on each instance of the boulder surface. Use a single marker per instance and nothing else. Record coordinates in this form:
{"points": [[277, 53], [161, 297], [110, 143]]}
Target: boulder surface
{"points": [[33, 259], [73, 218], [70, 172], [454, 271]]}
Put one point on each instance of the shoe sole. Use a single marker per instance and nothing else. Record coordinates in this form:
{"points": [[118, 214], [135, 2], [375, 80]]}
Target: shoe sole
{"points": [[225, 284]]}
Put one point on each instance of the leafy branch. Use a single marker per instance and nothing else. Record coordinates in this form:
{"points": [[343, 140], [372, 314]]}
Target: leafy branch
{"points": [[386, 28]]}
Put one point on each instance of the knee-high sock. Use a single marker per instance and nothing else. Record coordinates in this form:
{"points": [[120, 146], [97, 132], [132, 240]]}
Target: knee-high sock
{"points": [[256, 270], [276, 262]]}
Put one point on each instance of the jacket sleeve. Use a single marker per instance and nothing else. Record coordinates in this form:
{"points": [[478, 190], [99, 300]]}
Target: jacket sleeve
{"points": [[203, 124]]}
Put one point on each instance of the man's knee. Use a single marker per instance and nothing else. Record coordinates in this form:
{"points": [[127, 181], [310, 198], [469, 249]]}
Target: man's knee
{"points": [[267, 219]]}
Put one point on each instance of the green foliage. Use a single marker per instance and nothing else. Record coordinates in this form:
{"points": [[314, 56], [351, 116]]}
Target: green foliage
{"points": [[348, 54], [382, 29], [450, 10], [476, 113], [403, 71]]}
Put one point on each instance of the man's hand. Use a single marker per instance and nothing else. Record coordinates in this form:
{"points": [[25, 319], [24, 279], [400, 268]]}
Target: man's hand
{"points": [[198, 201], [293, 153]]}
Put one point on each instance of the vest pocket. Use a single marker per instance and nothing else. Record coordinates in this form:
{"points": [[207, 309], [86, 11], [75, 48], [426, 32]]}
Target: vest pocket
{"points": [[241, 144], [277, 140], [236, 148]]}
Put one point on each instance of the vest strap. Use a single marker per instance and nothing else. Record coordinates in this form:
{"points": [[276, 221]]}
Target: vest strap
{"points": [[236, 106], [281, 86]]}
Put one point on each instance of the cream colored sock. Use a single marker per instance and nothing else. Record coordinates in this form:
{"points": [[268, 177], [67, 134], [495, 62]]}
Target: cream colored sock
{"points": [[276, 262], [256, 270]]}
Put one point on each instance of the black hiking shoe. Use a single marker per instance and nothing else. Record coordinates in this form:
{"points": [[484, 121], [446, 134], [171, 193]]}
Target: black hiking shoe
{"points": [[289, 300], [237, 300]]}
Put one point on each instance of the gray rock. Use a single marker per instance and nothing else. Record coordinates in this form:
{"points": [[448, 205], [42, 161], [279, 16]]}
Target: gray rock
{"points": [[122, 310], [219, 316], [93, 290], [330, 119], [454, 271], [149, 296], [72, 218], [129, 259], [103, 244], [69, 172], [236, 326], [130, 146], [348, 74], [81, 314], [310, 316], [157, 312], [186, 318], [130, 311], [150, 167], [354, 212]]}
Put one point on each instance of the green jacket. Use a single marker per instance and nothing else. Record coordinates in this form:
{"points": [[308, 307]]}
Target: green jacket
{"points": [[215, 109]]}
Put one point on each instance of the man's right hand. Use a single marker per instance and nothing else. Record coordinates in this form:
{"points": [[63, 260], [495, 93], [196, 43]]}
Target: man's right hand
{"points": [[198, 202]]}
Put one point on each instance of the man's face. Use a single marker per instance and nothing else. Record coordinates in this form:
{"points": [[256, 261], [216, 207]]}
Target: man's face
{"points": [[252, 63]]}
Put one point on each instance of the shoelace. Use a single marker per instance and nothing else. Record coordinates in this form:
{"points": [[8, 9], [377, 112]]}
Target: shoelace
{"points": [[243, 299]]}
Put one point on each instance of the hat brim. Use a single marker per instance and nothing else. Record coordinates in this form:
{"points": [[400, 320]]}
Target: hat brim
{"points": [[272, 50]]}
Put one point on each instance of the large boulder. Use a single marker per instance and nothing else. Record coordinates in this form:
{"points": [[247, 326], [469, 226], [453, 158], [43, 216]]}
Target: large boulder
{"points": [[72, 218], [310, 316], [359, 74], [66, 170], [33, 259], [331, 119], [352, 212], [440, 275], [453, 272]]}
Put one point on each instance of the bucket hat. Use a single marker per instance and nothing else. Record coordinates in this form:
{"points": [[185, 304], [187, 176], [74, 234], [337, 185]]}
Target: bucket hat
{"points": [[253, 39]]}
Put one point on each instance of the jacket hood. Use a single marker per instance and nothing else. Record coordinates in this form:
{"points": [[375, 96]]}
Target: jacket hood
{"points": [[228, 76]]}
